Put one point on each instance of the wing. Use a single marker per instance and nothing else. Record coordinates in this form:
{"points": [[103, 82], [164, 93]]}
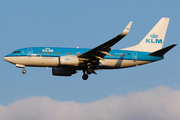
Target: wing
{"points": [[102, 50]]}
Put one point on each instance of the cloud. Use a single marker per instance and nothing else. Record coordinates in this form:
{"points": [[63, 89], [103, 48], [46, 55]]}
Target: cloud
{"points": [[162, 103]]}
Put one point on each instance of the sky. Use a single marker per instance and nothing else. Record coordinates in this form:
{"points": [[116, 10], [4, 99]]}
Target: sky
{"points": [[146, 92]]}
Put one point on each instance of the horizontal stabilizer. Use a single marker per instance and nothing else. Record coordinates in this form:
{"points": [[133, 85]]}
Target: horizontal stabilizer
{"points": [[161, 52]]}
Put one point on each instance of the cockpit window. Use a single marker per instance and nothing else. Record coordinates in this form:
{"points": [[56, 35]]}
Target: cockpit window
{"points": [[16, 52]]}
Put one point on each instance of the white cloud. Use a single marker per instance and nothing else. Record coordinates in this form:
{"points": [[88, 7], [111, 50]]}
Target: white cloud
{"points": [[160, 103]]}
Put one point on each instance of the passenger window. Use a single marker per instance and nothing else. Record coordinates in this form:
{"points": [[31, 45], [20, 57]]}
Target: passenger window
{"points": [[61, 52], [55, 52], [35, 52]]}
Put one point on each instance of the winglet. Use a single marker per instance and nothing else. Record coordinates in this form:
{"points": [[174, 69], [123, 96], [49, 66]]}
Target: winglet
{"points": [[126, 30], [105, 47]]}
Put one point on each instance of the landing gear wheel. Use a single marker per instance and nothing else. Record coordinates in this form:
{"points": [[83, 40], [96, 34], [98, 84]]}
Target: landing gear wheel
{"points": [[89, 71], [24, 71], [85, 77]]}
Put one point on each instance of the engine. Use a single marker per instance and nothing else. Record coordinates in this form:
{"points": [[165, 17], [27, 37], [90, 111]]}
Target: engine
{"points": [[69, 60], [62, 71]]}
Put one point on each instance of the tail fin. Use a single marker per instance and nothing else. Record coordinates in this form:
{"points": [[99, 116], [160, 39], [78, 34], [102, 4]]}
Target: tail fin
{"points": [[154, 40]]}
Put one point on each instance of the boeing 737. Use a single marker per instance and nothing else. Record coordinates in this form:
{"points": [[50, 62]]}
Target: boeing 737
{"points": [[67, 61]]}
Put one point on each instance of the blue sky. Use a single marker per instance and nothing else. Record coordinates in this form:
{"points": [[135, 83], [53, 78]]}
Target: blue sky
{"points": [[86, 24]]}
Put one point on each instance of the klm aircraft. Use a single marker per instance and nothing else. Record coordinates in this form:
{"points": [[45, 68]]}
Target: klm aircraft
{"points": [[67, 61]]}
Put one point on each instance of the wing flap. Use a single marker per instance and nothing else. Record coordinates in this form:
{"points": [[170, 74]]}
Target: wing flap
{"points": [[106, 53]]}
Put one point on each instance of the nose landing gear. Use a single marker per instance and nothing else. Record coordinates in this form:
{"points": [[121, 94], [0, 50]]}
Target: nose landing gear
{"points": [[21, 66], [24, 71]]}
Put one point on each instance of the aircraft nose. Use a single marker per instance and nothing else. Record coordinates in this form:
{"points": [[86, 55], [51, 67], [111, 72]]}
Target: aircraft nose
{"points": [[7, 59]]}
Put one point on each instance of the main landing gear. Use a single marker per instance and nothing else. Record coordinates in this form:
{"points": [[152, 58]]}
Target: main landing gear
{"points": [[89, 71], [85, 76]]}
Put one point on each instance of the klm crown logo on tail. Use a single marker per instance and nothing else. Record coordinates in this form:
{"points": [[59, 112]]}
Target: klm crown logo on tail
{"points": [[154, 39]]}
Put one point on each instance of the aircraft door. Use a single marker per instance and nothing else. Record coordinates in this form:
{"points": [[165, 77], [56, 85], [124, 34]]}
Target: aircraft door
{"points": [[29, 60], [134, 56], [29, 51]]}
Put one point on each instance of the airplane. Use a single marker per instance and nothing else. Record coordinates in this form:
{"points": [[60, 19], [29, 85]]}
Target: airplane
{"points": [[67, 61]]}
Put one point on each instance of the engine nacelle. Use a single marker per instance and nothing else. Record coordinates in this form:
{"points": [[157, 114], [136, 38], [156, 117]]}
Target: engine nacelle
{"points": [[62, 71], [69, 60]]}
